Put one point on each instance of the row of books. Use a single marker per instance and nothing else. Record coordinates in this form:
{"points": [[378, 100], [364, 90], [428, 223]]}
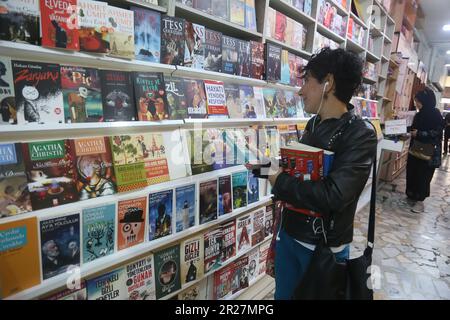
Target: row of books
{"points": [[47, 93], [40, 249], [365, 108], [330, 19], [370, 70], [302, 5], [241, 12], [367, 91], [285, 29], [321, 41], [356, 32]]}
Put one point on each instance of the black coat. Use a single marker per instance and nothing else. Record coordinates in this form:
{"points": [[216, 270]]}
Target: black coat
{"points": [[336, 196]]}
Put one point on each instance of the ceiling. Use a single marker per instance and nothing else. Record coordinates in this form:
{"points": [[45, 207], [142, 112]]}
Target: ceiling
{"points": [[437, 14]]}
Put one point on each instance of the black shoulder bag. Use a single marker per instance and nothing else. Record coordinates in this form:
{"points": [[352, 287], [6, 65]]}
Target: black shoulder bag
{"points": [[327, 279]]}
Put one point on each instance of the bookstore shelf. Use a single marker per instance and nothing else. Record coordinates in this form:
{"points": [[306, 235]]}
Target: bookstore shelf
{"points": [[215, 23], [340, 9], [352, 45], [329, 34], [145, 5], [304, 54], [381, 77], [368, 80], [291, 11], [384, 58], [121, 257], [236, 295], [210, 273], [372, 57], [387, 39], [365, 99], [375, 31], [358, 20]]}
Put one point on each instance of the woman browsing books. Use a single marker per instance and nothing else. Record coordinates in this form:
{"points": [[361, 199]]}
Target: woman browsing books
{"points": [[329, 203]]}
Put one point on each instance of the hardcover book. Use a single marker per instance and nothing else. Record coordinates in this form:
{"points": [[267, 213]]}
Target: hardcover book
{"points": [[225, 195], [228, 240], [230, 54], [82, 95], [176, 98], [147, 34], [208, 201], [213, 50], [244, 59], [150, 96], [213, 249], [172, 40], [273, 72], [19, 21], [131, 222], [92, 22], [167, 271], [257, 59], [120, 23], [59, 24], [38, 92], [196, 98], [185, 205], [117, 96], [160, 214], [215, 96], [60, 244], [192, 259], [8, 114], [239, 181], [140, 279]]}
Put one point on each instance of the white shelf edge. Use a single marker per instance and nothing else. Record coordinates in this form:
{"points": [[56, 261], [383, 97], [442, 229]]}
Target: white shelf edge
{"points": [[358, 20], [287, 47], [147, 5], [120, 257], [290, 8], [329, 34], [369, 80], [340, 8], [290, 119], [373, 56], [362, 98], [355, 45]]}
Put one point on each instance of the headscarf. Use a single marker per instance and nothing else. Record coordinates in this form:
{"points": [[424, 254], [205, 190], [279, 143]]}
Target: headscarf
{"points": [[429, 117]]}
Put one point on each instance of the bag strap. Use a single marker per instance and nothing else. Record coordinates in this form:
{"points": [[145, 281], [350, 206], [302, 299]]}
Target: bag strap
{"points": [[373, 199]]}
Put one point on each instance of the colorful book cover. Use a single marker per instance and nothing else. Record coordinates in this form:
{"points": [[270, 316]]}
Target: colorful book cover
{"points": [[129, 166], [172, 40], [120, 23], [59, 24], [14, 195], [239, 189], [19, 21], [240, 275], [192, 257], [220, 9], [160, 212], [228, 240], [250, 15], [208, 201], [225, 195], [131, 222], [273, 62], [150, 96], [117, 96], [92, 22], [285, 71], [307, 7], [222, 282], [82, 94], [215, 97], [60, 244], [203, 5], [253, 264], [299, 67], [248, 103], [258, 234], [233, 102], [270, 102], [99, 232], [198, 291], [38, 92], [147, 34], [263, 252], [237, 12], [185, 207], [94, 167], [292, 69], [244, 59], [19, 256], [288, 100], [194, 51], [280, 27], [229, 55], [268, 221], [257, 59], [196, 98], [213, 248], [213, 50], [176, 98], [78, 293], [253, 188], [244, 232], [109, 286], [8, 113], [167, 271], [140, 275], [51, 173]]}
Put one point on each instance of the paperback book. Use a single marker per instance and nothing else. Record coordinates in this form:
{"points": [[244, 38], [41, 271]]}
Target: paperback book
{"points": [[160, 214], [196, 98], [172, 40], [244, 59], [185, 207], [239, 181], [215, 96], [8, 114], [230, 54], [19, 21], [257, 59], [176, 98], [140, 279], [147, 34], [194, 51], [228, 240], [167, 271], [213, 49], [192, 259], [273, 62], [258, 233], [92, 22], [244, 232], [208, 201], [120, 23], [109, 286], [213, 249], [150, 96], [225, 195]]}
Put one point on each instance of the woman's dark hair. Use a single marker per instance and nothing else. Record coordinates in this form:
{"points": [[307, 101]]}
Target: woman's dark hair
{"points": [[426, 97], [345, 66]]}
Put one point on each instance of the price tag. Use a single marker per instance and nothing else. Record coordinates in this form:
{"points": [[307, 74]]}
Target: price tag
{"points": [[395, 127]]}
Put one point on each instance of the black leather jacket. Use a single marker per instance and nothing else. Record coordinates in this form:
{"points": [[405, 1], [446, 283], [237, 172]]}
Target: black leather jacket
{"points": [[336, 196]]}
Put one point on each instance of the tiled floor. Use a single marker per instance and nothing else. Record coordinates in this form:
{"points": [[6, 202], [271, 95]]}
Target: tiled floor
{"points": [[412, 251]]}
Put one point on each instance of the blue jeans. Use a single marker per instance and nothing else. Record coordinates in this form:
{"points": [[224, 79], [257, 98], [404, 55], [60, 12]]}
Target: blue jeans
{"points": [[291, 261]]}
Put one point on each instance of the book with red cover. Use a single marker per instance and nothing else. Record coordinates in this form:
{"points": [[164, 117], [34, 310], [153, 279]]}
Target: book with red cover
{"points": [[215, 96], [59, 24], [280, 27], [257, 59]]}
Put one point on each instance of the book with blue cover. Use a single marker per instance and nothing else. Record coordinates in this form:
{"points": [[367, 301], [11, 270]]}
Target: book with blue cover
{"points": [[185, 207], [160, 214], [253, 188], [239, 181], [147, 34], [109, 286]]}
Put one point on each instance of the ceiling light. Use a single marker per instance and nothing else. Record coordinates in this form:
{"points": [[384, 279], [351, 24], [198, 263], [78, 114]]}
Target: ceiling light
{"points": [[448, 51], [446, 27]]}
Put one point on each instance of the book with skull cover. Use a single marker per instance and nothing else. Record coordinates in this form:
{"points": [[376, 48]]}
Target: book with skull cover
{"points": [[230, 48], [140, 279], [257, 59], [213, 50], [60, 244], [99, 232], [14, 195], [228, 240], [129, 166], [19, 21], [208, 201], [117, 96], [239, 181], [94, 167], [120, 23], [150, 96], [167, 271], [160, 212], [225, 196], [82, 94], [172, 40], [38, 93], [8, 114], [192, 254], [92, 23], [109, 286], [176, 98], [194, 51], [131, 222], [185, 205], [147, 34], [59, 24], [213, 249], [51, 173]]}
